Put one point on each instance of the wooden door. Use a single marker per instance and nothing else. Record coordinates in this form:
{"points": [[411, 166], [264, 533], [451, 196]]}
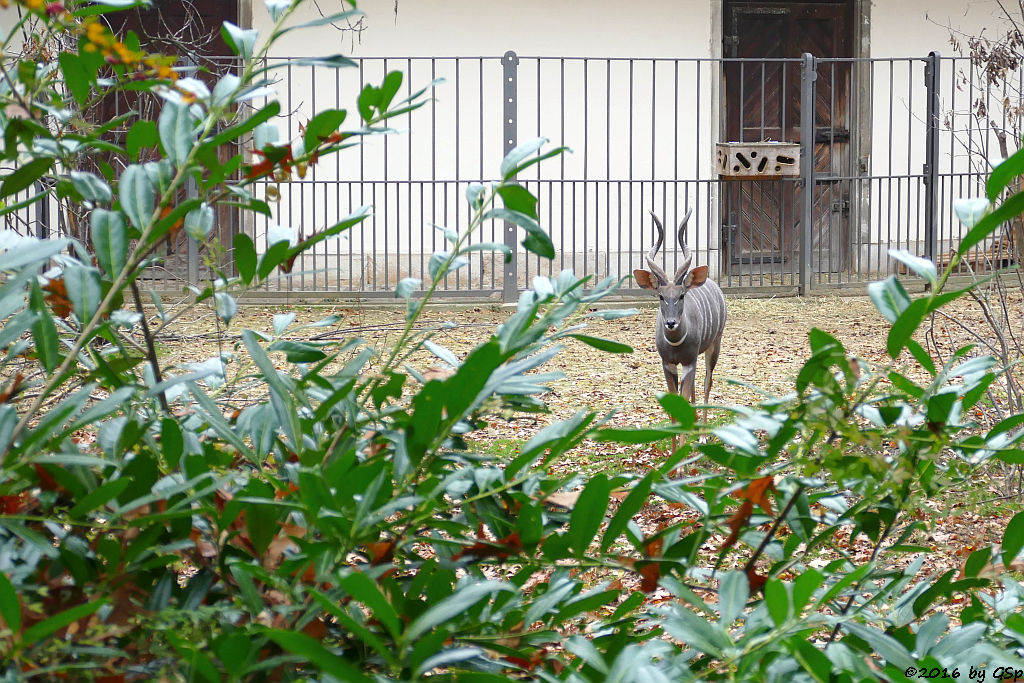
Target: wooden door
{"points": [[190, 31], [762, 218]]}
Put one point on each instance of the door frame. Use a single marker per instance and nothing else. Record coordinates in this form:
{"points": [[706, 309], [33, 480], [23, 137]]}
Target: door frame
{"points": [[860, 123]]}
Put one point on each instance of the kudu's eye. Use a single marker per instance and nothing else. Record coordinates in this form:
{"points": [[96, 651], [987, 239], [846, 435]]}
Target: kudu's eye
{"points": [[661, 297]]}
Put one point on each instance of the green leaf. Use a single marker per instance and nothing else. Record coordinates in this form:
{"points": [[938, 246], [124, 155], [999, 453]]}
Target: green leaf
{"points": [[196, 590], [905, 326], [1008, 210], [76, 76], [8, 420], [282, 400], [537, 241], [46, 628], [889, 297], [31, 252], [321, 126], [804, 586], [516, 156], [603, 344], [331, 62], [697, 631], [272, 109], [363, 589], [465, 597], [241, 41], [883, 644], [177, 131], [298, 352], [10, 605], [109, 240], [245, 257], [91, 187], [588, 513], [1013, 539], [777, 600], [224, 90], [634, 436], [490, 246], [327, 19], [733, 592], [44, 332], [225, 305], [406, 287], [99, 497], [1004, 173], [921, 266], [679, 409], [161, 174], [627, 509], [135, 192], [199, 222], [349, 624], [247, 587], [475, 193], [970, 211], [354, 218], [312, 651], [921, 355], [518, 198], [142, 134], [272, 258], [84, 290], [277, 8], [25, 175], [813, 661]]}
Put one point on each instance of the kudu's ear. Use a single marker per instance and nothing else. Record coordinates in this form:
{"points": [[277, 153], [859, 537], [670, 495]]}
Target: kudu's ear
{"points": [[696, 277], [645, 279]]}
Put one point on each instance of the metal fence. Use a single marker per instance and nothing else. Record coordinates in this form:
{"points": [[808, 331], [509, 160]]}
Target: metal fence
{"points": [[886, 145]]}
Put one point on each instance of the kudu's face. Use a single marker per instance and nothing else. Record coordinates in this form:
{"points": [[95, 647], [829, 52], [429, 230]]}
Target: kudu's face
{"points": [[671, 295], [671, 292]]}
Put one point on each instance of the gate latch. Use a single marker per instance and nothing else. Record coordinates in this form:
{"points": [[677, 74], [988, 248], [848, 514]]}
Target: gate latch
{"points": [[841, 207]]}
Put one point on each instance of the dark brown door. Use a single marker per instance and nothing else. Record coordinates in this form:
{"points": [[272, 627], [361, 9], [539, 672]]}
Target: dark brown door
{"points": [[762, 218], [190, 31]]}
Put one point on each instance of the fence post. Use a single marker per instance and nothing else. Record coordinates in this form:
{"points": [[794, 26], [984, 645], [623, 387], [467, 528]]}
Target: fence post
{"points": [[192, 247], [43, 211], [931, 163], [808, 76], [510, 64]]}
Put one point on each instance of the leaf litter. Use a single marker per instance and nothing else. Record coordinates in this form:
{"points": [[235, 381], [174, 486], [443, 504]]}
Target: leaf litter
{"points": [[764, 345]]}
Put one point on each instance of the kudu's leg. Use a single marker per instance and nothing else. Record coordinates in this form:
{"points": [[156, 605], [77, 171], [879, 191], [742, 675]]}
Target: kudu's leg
{"points": [[672, 380], [689, 376], [689, 373], [710, 360]]}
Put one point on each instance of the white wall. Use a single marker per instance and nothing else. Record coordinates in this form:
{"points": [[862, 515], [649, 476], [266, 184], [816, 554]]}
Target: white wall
{"points": [[597, 28]]}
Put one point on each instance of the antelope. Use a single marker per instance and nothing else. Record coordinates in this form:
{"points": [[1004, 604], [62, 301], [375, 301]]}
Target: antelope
{"points": [[691, 317]]}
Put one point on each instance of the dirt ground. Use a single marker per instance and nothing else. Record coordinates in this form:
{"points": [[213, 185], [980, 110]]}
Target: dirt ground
{"points": [[765, 344]]}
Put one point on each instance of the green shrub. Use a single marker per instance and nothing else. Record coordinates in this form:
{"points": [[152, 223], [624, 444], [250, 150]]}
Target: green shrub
{"points": [[339, 526]]}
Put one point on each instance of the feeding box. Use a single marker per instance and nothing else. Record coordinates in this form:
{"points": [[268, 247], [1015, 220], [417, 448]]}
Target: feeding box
{"points": [[758, 159]]}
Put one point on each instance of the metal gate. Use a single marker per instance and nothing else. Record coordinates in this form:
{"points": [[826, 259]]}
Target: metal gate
{"points": [[883, 150]]}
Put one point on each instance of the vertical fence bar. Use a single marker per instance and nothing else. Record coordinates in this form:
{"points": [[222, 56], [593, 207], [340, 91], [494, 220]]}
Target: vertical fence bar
{"points": [[42, 212], [931, 164], [510, 62], [808, 75], [192, 249]]}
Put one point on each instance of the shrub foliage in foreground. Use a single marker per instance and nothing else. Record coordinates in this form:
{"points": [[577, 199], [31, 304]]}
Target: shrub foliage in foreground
{"points": [[158, 524]]}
